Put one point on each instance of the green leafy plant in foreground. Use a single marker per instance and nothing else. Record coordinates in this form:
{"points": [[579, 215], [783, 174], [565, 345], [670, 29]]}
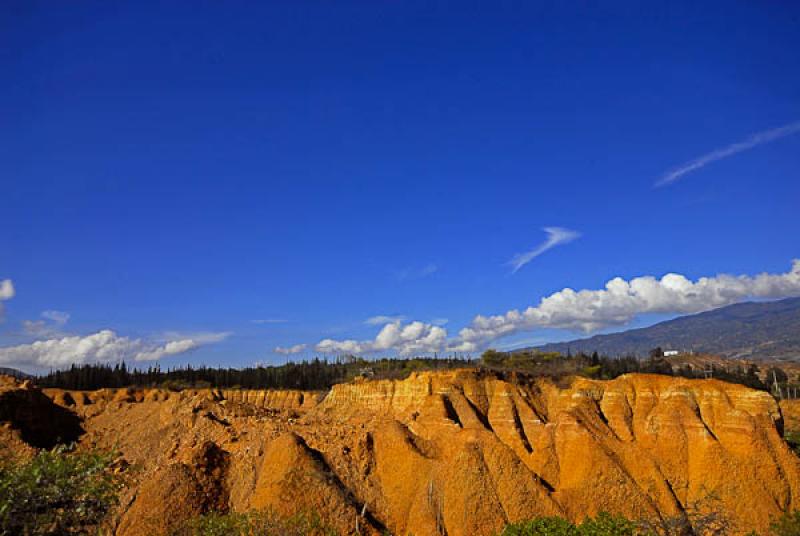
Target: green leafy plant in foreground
{"points": [[57, 492]]}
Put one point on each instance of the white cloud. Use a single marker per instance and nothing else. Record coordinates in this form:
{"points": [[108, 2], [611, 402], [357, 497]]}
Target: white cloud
{"points": [[620, 301], [101, 347], [296, 349], [755, 140], [440, 321], [6, 293], [555, 237], [49, 327], [584, 310], [6, 289], [269, 321], [410, 338], [383, 319]]}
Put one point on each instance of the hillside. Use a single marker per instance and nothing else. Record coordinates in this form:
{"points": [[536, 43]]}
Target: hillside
{"points": [[14, 373], [457, 452], [753, 330]]}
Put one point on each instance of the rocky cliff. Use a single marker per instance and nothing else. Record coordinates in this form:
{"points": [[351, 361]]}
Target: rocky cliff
{"points": [[455, 453]]}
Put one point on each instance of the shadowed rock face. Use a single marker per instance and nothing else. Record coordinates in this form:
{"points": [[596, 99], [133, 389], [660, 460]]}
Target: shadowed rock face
{"points": [[453, 452], [39, 422]]}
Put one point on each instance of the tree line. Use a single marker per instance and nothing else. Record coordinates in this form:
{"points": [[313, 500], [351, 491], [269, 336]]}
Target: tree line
{"points": [[321, 374], [314, 374]]}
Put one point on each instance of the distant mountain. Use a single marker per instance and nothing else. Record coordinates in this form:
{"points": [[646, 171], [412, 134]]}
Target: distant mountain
{"points": [[14, 372], [752, 330]]}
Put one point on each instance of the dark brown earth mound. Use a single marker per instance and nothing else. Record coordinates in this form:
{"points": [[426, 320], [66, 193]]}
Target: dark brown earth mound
{"points": [[30, 416]]}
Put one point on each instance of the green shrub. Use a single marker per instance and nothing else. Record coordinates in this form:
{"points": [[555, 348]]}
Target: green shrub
{"points": [[793, 439], [544, 526], [786, 525], [257, 523], [602, 525], [607, 525], [56, 492]]}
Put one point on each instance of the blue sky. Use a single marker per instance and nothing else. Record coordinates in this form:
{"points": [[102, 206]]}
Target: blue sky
{"points": [[173, 174]]}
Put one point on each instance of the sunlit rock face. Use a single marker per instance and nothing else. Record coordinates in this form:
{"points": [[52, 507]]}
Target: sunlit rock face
{"points": [[458, 452]]}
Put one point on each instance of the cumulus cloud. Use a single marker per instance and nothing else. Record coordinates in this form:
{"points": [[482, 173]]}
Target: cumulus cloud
{"points": [[6, 293], [620, 301], [755, 140], [410, 338], [288, 350], [101, 347], [555, 237], [383, 319]]}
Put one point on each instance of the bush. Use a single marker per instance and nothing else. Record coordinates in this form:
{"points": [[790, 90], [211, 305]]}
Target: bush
{"points": [[786, 525], [261, 523], [545, 526], [603, 525], [56, 492]]}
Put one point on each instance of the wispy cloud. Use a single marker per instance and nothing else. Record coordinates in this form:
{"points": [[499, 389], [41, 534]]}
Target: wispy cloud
{"points": [[755, 140], [50, 325], [269, 321], [555, 237], [57, 317], [288, 350], [380, 320], [417, 273]]}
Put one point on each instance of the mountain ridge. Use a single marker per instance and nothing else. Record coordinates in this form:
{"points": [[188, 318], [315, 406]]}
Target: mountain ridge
{"points": [[747, 330]]}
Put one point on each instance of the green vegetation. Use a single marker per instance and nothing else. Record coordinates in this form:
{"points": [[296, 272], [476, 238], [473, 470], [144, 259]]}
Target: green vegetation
{"points": [[320, 374], [793, 439], [602, 525], [786, 525], [57, 492], [317, 374], [556, 366], [262, 523]]}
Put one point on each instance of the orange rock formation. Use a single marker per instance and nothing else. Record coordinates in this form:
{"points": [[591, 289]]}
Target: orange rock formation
{"points": [[457, 453]]}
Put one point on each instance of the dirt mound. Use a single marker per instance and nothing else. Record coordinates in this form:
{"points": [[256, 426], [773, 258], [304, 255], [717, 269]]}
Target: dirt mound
{"points": [[294, 478], [452, 452], [28, 415], [171, 495]]}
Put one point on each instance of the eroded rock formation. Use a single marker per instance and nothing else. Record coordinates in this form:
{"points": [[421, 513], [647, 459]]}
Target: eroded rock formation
{"points": [[457, 453]]}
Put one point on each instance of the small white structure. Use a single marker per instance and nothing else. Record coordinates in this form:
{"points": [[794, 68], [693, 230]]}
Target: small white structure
{"points": [[670, 353]]}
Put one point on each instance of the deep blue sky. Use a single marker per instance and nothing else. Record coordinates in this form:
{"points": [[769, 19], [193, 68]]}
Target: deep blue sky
{"points": [[198, 166]]}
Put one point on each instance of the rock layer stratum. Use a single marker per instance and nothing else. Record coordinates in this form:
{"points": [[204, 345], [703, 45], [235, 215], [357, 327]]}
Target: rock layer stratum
{"points": [[456, 453]]}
